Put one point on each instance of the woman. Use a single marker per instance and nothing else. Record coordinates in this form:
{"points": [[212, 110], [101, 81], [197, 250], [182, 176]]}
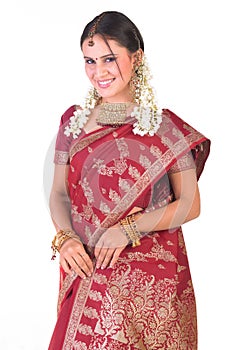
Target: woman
{"points": [[126, 179]]}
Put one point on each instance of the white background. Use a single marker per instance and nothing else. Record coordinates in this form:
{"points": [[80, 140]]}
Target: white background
{"points": [[193, 49]]}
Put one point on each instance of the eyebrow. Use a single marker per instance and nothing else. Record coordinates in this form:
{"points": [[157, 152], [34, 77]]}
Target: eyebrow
{"points": [[104, 56]]}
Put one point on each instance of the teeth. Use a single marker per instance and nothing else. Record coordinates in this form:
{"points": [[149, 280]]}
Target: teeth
{"points": [[105, 82]]}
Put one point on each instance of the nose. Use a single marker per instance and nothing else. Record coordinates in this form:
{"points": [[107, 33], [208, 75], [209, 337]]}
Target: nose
{"points": [[100, 70]]}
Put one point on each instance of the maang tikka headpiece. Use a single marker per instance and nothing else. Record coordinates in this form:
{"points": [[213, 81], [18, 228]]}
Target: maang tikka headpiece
{"points": [[92, 31]]}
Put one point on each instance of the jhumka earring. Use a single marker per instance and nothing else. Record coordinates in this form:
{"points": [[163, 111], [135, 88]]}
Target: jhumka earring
{"points": [[93, 98]]}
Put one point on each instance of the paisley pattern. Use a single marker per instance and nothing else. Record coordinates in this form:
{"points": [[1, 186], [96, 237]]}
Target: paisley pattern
{"points": [[147, 300]]}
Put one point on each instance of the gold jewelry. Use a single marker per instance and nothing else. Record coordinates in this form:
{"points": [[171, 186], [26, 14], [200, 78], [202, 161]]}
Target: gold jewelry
{"points": [[112, 114], [92, 31], [60, 237], [129, 228], [93, 99]]}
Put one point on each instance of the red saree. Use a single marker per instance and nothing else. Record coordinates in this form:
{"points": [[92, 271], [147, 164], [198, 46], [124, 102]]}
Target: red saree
{"points": [[147, 300]]}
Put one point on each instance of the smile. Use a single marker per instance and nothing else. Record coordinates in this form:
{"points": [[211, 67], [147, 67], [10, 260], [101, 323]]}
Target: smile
{"points": [[105, 83]]}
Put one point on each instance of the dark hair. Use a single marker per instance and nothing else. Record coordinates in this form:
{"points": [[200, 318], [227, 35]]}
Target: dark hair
{"points": [[116, 26]]}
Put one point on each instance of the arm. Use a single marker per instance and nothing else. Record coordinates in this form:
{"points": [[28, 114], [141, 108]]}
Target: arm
{"points": [[185, 207], [72, 253], [59, 200]]}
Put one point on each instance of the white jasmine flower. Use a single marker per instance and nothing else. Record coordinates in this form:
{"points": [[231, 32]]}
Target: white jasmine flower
{"points": [[77, 121], [148, 121]]}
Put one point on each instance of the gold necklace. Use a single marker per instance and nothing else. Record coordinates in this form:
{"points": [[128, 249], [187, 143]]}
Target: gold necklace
{"points": [[112, 114]]}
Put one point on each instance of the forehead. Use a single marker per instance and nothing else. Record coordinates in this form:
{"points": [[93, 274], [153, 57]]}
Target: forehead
{"points": [[100, 48]]}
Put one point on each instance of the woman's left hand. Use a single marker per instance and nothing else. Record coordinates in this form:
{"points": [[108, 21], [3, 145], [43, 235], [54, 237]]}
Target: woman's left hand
{"points": [[110, 246]]}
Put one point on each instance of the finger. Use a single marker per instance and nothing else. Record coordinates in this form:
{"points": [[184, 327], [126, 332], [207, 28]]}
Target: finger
{"points": [[75, 255], [115, 256], [79, 259], [76, 266], [86, 258], [107, 258], [100, 256], [65, 266], [98, 248]]}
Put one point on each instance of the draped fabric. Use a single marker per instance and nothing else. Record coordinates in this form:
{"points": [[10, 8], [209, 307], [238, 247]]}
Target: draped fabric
{"points": [[147, 300]]}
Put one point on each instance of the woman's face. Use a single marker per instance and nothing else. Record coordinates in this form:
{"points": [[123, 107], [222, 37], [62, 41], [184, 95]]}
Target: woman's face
{"points": [[109, 72]]}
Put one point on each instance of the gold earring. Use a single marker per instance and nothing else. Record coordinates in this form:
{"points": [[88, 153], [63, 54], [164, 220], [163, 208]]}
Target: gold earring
{"points": [[93, 98]]}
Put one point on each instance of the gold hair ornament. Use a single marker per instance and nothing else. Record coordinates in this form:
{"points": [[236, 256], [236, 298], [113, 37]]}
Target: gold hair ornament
{"points": [[93, 29]]}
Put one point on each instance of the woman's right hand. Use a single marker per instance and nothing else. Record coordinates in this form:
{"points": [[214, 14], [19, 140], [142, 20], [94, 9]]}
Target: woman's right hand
{"points": [[73, 257]]}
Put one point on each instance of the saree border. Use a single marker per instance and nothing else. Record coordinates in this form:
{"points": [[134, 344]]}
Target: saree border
{"points": [[77, 310], [83, 143]]}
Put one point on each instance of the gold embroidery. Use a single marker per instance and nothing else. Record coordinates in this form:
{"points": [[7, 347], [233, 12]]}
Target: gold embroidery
{"points": [[104, 208], [157, 252], [100, 278], [119, 167], [86, 330], [114, 196], [61, 157], [134, 172], [95, 295], [77, 311], [90, 312], [78, 345], [132, 296], [144, 161], [124, 185], [181, 242], [83, 143], [122, 147], [181, 268], [176, 132], [184, 163], [88, 193], [156, 318], [65, 287]]}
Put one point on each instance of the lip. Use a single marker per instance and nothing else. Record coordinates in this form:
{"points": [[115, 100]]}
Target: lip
{"points": [[105, 83]]}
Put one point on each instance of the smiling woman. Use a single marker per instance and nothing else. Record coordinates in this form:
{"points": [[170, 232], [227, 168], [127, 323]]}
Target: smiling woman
{"points": [[126, 179], [109, 72]]}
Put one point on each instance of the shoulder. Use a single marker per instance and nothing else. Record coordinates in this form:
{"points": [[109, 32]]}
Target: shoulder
{"points": [[69, 112], [171, 116]]}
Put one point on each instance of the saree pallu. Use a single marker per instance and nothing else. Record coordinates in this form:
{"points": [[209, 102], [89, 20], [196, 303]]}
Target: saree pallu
{"points": [[147, 300]]}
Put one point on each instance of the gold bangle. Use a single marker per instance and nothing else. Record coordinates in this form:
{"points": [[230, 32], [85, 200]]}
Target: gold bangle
{"points": [[60, 237], [136, 232], [129, 228]]}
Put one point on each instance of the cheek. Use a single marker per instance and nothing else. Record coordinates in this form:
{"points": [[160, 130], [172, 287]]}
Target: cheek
{"points": [[89, 71], [127, 69]]}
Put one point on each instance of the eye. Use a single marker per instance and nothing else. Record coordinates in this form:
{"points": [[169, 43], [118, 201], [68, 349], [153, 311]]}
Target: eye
{"points": [[111, 59], [89, 61]]}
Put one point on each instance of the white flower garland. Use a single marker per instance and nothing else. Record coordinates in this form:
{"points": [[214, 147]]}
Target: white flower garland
{"points": [[147, 122], [77, 121]]}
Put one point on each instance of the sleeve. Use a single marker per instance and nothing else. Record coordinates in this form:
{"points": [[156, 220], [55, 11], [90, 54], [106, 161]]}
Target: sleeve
{"points": [[63, 142], [184, 163]]}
